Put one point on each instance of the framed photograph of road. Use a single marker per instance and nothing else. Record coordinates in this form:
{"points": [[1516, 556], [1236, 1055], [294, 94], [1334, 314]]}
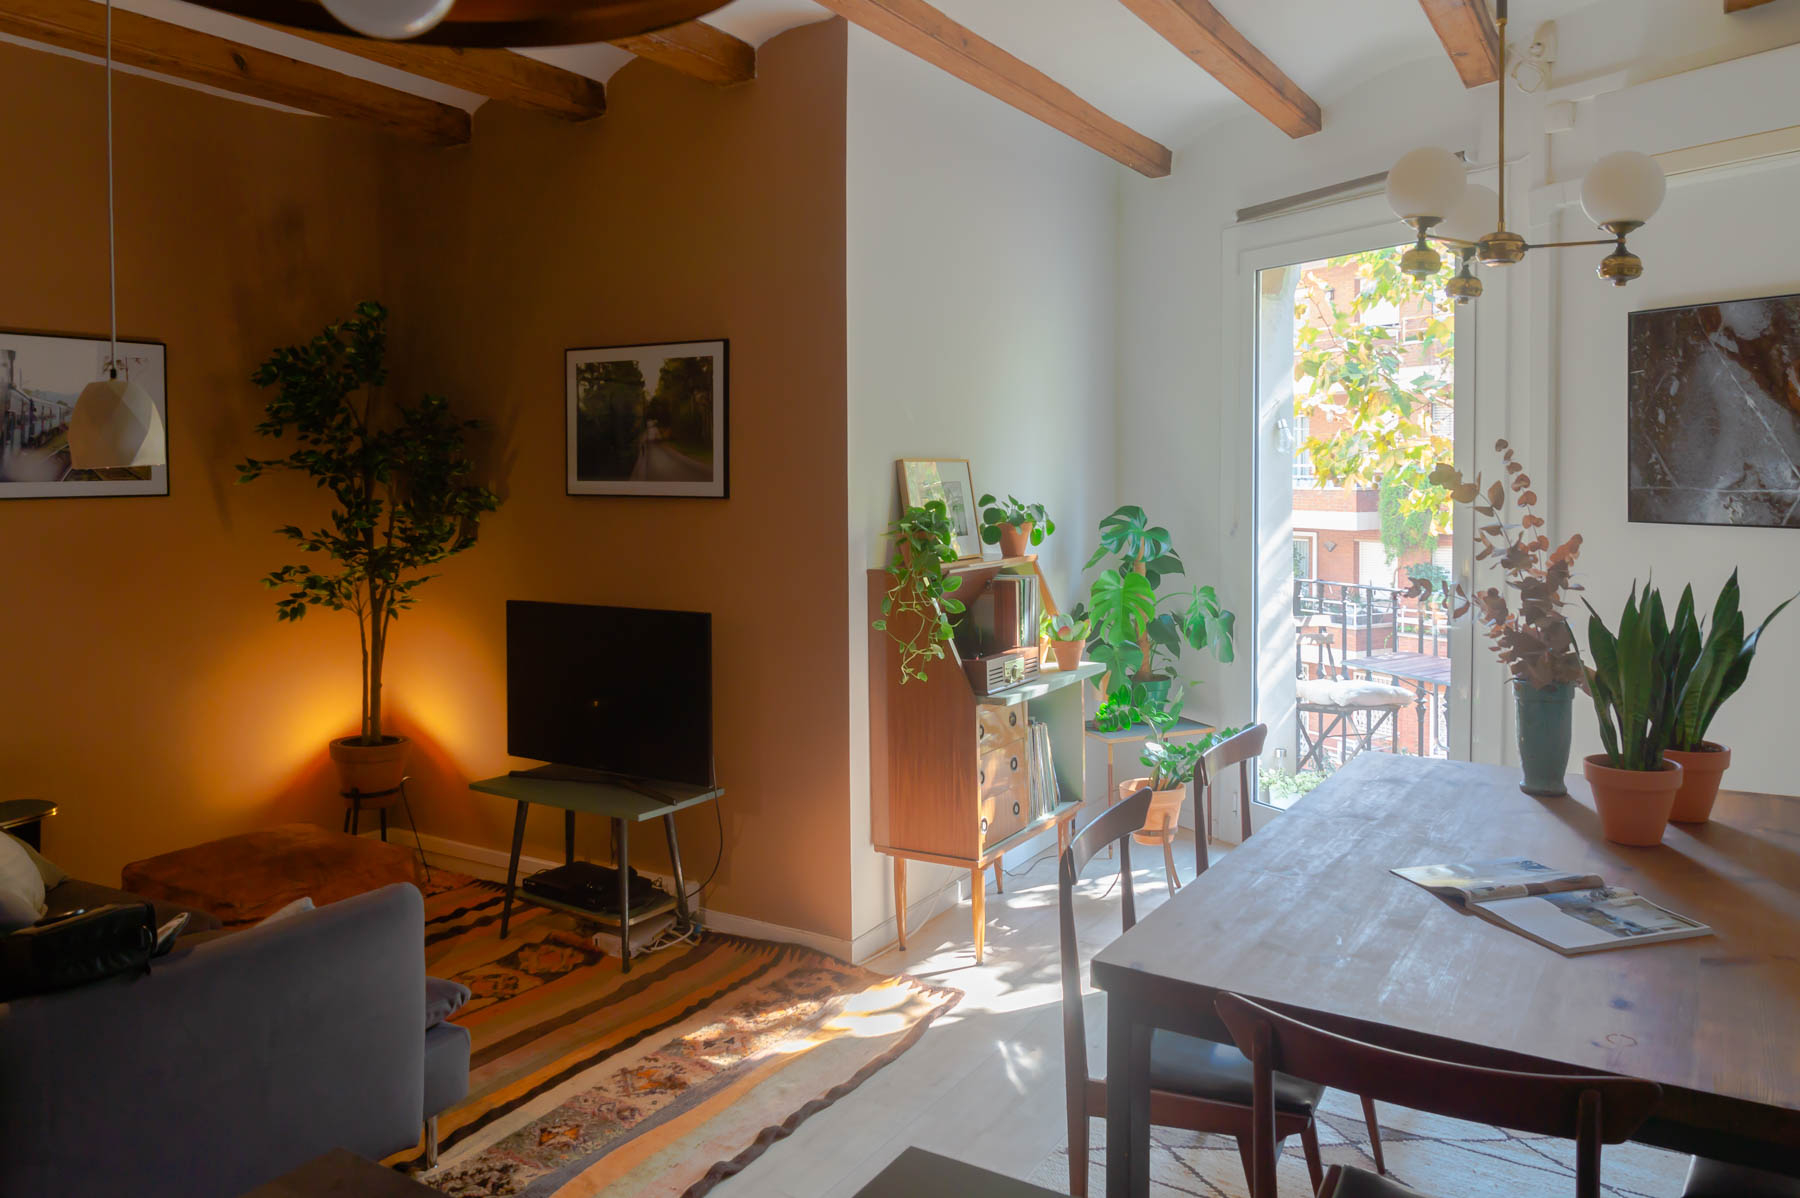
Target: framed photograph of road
{"points": [[950, 480], [41, 375], [648, 420]]}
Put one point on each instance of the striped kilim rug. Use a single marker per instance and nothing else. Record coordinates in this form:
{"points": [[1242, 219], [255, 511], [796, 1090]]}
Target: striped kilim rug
{"points": [[660, 1082], [1434, 1155]]}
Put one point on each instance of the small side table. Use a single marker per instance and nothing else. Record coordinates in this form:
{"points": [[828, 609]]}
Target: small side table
{"points": [[1184, 729], [25, 818]]}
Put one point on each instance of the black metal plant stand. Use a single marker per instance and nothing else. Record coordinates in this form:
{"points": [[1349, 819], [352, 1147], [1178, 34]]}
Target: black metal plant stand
{"points": [[353, 816]]}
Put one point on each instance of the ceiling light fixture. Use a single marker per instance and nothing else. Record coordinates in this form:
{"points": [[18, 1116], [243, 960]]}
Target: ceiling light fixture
{"points": [[474, 24], [1427, 188], [115, 422]]}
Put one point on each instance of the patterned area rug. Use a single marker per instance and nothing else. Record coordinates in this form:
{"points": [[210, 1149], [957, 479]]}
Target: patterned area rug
{"points": [[1433, 1154], [660, 1082]]}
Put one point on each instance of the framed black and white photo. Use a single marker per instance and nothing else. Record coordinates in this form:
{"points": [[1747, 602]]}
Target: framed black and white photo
{"points": [[1713, 429], [648, 420], [41, 375], [951, 480]]}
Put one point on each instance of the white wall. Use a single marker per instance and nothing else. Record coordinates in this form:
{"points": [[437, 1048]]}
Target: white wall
{"points": [[1548, 339], [982, 264]]}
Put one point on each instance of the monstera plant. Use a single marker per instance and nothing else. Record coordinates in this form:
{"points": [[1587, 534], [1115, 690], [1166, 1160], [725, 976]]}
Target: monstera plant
{"points": [[1139, 632]]}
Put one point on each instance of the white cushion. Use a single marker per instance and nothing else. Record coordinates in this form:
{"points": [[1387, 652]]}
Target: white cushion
{"points": [[299, 906], [1352, 692], [21, 887]]}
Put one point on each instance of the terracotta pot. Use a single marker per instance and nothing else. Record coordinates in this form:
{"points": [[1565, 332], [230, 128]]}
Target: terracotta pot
{"points": [[1015, 539], [1701, 772], [1068, 653], [1634, 805], [1165, 809], [370, 769]]}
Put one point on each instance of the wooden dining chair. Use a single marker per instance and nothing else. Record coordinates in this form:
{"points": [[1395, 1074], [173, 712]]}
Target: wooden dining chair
{"points": [[1717, 1179], [1239, 750], [1591, 1110], [1198, 1085]]}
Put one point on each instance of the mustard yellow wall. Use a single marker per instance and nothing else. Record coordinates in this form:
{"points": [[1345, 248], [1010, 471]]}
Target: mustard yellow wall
{"points": [[148, 688]]}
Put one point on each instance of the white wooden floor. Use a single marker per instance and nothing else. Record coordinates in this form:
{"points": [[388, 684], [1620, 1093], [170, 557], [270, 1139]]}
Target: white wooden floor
{"points": [[985, 1083]]}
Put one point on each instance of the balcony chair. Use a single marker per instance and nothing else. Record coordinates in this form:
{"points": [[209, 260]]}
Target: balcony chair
{"points": [[1198, 1085], [1591, 1111]]}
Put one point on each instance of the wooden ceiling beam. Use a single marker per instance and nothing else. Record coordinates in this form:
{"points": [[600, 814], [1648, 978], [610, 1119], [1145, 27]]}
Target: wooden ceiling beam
{"points": [[1466, 28], [497, 74], [920, 29], [182, 53], [1198, 30], [695, 48]]}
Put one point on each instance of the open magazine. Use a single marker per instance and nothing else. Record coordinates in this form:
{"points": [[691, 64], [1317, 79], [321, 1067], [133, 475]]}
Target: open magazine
{"points": [[1571, 913]]}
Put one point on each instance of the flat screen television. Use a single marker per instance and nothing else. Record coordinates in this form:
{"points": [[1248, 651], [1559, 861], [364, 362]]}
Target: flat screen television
{"points": [[621, 690]]}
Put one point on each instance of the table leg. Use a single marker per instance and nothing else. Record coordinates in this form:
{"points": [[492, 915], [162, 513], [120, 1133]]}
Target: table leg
{"points": [[568, 838], [512, 867], [1127, 1103], [622, 838], [1112, 791], [900, 899], [384, 825], [978, 894], [681, 899], [1062, 837]]}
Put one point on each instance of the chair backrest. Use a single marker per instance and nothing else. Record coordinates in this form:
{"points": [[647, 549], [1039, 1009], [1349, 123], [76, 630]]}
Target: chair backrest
{"points": [[1114, 828], [1239, 750], [1589, 1109]]}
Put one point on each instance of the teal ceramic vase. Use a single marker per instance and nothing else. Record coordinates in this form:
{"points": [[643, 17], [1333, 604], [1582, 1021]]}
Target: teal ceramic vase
{"points": [[1544, 720]]}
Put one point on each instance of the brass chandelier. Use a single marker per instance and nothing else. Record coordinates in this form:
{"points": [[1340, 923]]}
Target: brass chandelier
{"points": [[1427, 188]]}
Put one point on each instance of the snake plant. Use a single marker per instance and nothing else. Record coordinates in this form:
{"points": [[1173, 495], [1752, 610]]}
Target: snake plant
{"points": [[1712, 670]]}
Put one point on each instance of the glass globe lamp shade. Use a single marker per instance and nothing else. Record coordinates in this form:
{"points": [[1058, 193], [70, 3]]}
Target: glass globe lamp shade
{"points": [[390, 20], [1425, 184], [1623, 188], [1475, 216], [115, 423]]}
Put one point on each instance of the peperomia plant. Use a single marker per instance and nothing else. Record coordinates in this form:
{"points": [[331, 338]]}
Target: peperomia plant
{"points": [[1061, 626], [995, 515], [917, 608], [1136, 640]]}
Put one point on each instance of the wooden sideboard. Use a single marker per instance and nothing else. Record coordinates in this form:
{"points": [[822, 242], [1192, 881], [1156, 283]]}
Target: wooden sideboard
{"points": [[949, 769]]}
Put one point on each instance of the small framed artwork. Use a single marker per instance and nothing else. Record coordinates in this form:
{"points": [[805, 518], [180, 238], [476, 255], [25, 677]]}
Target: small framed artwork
{"points": [[1713, 425], [648, 420], [948, 479], [41, 375]]}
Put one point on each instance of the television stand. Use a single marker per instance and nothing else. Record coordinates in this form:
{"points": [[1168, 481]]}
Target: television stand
{"points": [[624, 801]]}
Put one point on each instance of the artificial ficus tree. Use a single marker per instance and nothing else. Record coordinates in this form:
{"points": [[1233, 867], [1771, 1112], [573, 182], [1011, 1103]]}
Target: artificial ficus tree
{"points": [[1529, 631], [399, 476]]}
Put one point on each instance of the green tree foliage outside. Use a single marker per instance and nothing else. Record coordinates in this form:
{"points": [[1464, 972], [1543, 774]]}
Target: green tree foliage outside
{"points": [[1373, 415], [610, 406]]}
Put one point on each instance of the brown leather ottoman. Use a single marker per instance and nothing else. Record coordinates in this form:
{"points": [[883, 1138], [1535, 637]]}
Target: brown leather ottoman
{"points": [[242, 879]]}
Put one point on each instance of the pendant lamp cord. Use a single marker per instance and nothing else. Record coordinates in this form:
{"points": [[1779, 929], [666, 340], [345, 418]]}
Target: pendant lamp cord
{"points": [[112, 242]]}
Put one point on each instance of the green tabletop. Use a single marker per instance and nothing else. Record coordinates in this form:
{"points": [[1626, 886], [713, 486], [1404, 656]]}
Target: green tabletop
{"points": [[615, 800]]}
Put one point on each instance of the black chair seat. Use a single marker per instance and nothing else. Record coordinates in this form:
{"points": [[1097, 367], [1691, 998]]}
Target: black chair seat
{"points": [[1716, 1179], [1220, 1073], [1347, 1181]]}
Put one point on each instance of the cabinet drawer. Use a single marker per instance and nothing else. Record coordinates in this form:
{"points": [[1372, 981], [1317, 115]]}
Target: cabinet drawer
{"points": [[996, 726], [1005, 792]]}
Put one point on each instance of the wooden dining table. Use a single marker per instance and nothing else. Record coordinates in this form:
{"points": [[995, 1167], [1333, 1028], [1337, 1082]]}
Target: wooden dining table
{"points": [[1305, 916]]}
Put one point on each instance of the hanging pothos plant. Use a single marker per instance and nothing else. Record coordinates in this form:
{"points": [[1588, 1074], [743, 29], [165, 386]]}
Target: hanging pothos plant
{"points": [[917, 608]]}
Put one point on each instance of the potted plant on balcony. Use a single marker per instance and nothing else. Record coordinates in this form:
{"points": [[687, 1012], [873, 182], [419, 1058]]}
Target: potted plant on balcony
{"points": [[1533, 639], [1132, 636], [917, 608], [1708, 672], [400, 479], [1016, 527], [1634, 682], [1068, 637]]}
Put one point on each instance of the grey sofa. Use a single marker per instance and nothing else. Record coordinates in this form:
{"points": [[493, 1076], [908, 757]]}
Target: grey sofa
{"points": [[237, 1058]]}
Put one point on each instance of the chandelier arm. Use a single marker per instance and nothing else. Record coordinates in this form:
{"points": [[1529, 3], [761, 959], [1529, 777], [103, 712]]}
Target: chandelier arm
{"points": [[1558, 245]]}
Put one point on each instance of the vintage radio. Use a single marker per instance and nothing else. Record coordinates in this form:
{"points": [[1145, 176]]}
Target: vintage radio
{"points": [[998, 671]]}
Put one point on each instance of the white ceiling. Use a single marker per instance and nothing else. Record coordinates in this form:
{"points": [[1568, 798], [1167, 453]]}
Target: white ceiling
{"points": [[1097, 48]]}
